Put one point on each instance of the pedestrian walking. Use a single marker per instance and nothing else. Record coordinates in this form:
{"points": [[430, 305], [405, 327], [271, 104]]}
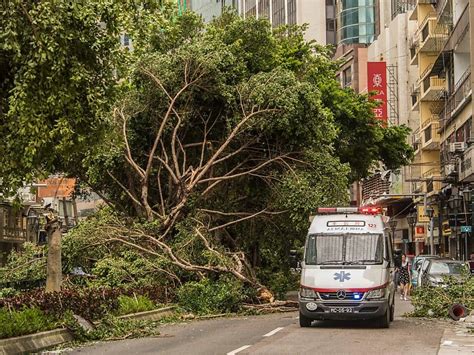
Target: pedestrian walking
{"points": [[404, 277]]}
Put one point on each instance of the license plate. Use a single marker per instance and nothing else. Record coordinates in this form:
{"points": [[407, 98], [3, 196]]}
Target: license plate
{"points": [[341, 310]]}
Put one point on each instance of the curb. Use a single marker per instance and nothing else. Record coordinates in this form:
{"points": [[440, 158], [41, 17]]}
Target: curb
{"points": [[155, 314], [456, 341], [32, 342], [38, 341]]}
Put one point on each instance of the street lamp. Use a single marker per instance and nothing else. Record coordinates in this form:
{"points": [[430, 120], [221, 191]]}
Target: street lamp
{"points": [[430, 212], [393, 224], [454, 204], [411, 220], [467, 195]]}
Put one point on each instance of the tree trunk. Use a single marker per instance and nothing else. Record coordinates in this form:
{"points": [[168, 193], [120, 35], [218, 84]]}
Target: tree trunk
{"points": [[54, 268]]}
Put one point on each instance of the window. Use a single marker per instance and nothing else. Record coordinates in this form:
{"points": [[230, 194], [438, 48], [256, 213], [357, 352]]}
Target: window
{"points": [[330, 24], [343, 249], [347, 77]]}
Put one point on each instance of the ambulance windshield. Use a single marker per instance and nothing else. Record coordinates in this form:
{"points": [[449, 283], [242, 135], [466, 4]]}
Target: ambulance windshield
{"points": [[344, 249]]}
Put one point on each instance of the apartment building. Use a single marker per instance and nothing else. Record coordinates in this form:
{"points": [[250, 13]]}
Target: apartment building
{"points": [[440, 50]]}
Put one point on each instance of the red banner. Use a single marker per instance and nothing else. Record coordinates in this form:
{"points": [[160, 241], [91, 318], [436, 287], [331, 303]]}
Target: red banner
{"points": [[377, 83]]}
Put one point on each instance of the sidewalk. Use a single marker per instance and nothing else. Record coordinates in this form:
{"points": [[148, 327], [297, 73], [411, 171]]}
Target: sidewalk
{"points": [[457, 339]]}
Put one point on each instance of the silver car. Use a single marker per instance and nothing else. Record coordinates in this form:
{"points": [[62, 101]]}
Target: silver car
{"points": [[433, 274]]}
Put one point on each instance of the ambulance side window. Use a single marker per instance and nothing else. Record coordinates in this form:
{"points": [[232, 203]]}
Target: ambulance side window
{"points": [[311, 250]]}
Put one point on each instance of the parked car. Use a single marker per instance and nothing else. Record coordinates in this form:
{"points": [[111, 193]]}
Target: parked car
{"points": [[437, 268], [416, 266]]}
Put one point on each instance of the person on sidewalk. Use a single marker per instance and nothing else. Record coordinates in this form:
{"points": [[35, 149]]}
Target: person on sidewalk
{"points": [[404, 277]]}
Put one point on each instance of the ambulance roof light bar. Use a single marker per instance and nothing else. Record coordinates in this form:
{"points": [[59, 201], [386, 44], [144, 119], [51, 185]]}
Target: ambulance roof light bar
{"points": [[345, 210]]}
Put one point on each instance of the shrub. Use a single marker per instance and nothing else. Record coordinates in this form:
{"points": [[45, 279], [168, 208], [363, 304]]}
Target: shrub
{"points": [[134, 304], [208, 297], [25, 321], [436, 301], [8, 292], [90, 303]]}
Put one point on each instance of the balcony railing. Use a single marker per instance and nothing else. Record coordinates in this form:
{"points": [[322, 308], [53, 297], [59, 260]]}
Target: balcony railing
{"points": [[433, 35], [431, 173], [433, 82], [430, 136], [443, 11], [461, 92], [460, 29]]}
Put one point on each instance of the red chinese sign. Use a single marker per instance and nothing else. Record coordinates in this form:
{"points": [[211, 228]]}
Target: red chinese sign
{"points": [[377, 83]]}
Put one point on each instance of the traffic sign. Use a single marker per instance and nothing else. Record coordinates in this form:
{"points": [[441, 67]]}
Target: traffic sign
{"points": [[466, 229]]}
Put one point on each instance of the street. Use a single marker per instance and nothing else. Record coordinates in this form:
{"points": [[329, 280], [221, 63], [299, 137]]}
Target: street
{"points": [[281, 334]]}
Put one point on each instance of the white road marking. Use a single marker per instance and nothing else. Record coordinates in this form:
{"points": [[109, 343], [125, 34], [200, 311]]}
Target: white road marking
{"points": [[274, 331], [233, 352], [447, 342]]}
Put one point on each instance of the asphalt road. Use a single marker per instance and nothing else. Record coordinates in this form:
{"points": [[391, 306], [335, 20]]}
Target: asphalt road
{"points": [[281, 334]]}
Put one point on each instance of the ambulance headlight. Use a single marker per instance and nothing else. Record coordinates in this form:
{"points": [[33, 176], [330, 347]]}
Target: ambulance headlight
{"points": [[375, 294], [306, 292]]}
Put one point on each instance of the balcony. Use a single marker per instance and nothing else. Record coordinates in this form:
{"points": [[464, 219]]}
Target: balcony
{"points": [[444, 11], [432, 35], [413, 45], [432, 178], [416, 140], [432, 88], [466, 170], [460, 29], [460, 96], [415, 96], [430, 136]]}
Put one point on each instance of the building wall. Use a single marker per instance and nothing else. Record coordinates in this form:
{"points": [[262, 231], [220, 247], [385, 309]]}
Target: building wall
{"points": [[313, 13]]}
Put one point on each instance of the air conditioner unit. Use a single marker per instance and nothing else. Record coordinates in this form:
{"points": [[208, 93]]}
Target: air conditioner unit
{"points": [[457, 147], [450, 170]]}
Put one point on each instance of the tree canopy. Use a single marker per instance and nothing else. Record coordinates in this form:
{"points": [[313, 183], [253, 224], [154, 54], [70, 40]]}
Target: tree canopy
{"points": [[224, 135]]}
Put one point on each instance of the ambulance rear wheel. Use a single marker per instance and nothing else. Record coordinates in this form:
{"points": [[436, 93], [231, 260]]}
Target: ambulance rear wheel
{"points": [[305, 321]]}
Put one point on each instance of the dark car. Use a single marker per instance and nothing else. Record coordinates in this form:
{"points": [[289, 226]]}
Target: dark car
{"points": [[416, 266], [437, 268]]}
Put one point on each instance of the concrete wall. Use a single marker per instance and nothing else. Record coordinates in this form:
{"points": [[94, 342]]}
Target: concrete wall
{"points": [[313, 12]]}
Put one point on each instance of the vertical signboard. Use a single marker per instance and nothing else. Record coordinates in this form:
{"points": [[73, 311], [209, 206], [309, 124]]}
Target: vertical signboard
{"points": [[377, 84]]}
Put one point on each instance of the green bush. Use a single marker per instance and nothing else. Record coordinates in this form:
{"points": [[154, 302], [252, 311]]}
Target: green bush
{"points": [[26, 321], [211, 297], [134, 304], [8, 292], [436, 301]]}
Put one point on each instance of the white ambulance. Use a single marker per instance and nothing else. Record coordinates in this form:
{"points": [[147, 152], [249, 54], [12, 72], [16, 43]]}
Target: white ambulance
{"points": [[347, 271]]}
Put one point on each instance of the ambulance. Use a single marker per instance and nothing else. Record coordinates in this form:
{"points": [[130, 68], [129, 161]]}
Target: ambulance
{"points": [[347, 268]]}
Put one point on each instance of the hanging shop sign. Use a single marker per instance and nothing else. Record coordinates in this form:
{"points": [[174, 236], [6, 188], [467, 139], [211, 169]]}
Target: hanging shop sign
{"points": [[420, 233], [377, 84]]}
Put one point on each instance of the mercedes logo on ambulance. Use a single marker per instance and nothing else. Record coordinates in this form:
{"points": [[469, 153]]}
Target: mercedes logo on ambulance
{"points": [[341, 294]]}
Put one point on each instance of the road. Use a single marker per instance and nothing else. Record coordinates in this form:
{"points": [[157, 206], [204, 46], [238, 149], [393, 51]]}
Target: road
{"points": [[281, 334]]}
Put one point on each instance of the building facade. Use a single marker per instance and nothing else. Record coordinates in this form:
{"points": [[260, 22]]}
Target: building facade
{"points": [[440, 51], [321, 24], [391, 189]]}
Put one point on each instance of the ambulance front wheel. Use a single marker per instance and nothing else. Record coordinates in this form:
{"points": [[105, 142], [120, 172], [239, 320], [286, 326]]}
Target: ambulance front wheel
{"points": [[305, 321]]}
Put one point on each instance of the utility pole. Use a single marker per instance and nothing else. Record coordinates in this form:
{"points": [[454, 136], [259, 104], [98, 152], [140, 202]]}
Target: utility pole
{"points": [[430, 212]]}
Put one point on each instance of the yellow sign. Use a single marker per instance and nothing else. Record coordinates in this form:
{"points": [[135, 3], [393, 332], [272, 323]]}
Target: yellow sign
{"points": [[422, 216]]}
